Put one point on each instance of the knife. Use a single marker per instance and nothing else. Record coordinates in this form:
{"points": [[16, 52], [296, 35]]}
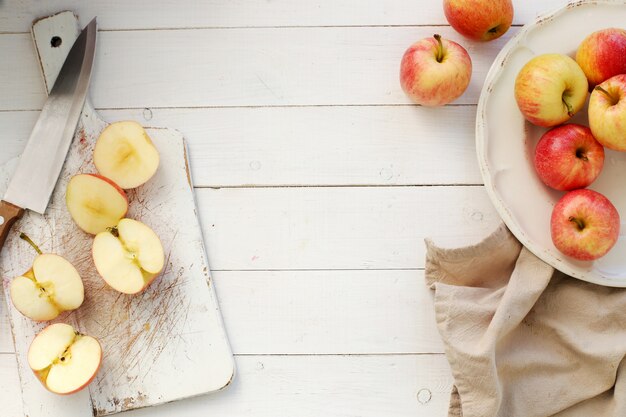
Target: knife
{"points": [[40, 164]]}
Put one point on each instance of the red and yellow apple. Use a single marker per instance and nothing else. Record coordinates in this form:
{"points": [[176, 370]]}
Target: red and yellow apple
{"points": [[481, 20], [602, 55], [435, 71], [95, 202], [607, 113], [584, 225], [550, 89], [52, 285], [125, 153], [568, 157], [129, 256], [64, 360]]}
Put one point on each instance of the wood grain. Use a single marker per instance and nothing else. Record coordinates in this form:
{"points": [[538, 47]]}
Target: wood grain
{"points": [[9, 214], [17, 15], [222, 67]]}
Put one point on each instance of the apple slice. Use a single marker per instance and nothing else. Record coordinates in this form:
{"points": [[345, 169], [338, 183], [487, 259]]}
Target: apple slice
{"points": [[125, 153], [128, 257], [64, 360], [51, 286], [95, 202]]}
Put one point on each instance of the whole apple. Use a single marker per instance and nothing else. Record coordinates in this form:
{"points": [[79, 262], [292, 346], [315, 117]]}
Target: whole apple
{"points": [[584, 225], [481, 20], [607, 113], [602, 55], [550, 89], [568, 157], [435, 71]]}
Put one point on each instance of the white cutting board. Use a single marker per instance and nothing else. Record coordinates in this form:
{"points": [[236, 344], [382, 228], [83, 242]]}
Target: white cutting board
{"points": [[162, 345]]}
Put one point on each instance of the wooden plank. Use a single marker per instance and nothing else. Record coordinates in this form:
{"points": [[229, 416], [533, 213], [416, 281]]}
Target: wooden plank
{"points": [[17, 15], [338, 228], [246, 67], [307, 145], [304, 386], [320, 312]]}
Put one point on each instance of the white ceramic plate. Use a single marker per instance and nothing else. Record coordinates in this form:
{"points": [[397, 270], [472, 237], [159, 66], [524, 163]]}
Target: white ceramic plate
{"points": [[505, 143]]}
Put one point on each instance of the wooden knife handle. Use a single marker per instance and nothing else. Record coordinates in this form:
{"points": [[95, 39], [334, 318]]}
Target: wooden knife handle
{"points": [[8, 215]]}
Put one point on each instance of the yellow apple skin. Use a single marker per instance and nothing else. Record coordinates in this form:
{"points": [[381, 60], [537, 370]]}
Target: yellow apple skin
{"points": [[435, 71], [550, 89], [607, 113]]}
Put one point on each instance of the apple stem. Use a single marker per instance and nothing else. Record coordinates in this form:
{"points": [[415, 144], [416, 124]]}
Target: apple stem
{"points": [[439, 56], [23, 236], [606, 93], [570, 110], [579, 223], [113, 230]]}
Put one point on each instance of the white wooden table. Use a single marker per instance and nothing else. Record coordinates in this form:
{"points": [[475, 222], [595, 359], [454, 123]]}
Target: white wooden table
{"points": [[316, 181]]}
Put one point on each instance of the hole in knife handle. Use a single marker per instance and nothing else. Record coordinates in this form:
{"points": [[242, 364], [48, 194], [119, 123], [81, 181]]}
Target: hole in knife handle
{"points": [[56, 41]]}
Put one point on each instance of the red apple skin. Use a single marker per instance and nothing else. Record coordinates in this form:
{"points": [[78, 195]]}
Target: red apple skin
{"points": [[584, 225], [481, 20], [430, 82], [602, 55], [117, 187], [568, 157]]}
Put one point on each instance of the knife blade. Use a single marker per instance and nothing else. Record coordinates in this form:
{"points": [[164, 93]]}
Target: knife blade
{"points": [[40, 164]]}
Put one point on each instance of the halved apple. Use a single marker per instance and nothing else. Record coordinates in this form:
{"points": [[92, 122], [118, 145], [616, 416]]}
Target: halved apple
{"points": [[64, 360], [95, 202], [51, 286], [129, 256], [125, 153]]}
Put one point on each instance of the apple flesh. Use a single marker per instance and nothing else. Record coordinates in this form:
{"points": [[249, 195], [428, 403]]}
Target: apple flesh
{"points": [[602, 55], [481, 20], [550, 89], [125, 153], [50, 287], [64, 360], [568, 157], [128, 257], [584, 225], [95, 202], [607, 113], [435, 71]]}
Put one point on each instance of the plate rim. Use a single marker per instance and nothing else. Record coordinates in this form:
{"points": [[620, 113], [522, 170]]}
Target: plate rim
{"points": [[492, 77]]}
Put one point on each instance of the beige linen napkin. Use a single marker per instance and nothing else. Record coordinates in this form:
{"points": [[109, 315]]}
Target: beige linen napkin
{"points": [[524, 340]]}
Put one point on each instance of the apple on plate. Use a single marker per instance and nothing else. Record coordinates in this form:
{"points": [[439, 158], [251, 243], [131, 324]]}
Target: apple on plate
{"points": [[607, 113], [435, 71], [64, 360], [129, 256], [125, 153], [52, 285], [602, 55], [481, 20], [568, 157], [550, 89], [95, 202], [584, 225]]}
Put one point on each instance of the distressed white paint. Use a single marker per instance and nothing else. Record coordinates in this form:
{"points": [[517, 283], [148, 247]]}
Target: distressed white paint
{"points": [[165, 344]]}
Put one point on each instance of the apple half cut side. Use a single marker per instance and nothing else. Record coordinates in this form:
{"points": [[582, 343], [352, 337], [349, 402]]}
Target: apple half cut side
{"points": [[95, 202], [50, 287], [128, 257], [125, 153], [64, 360]]}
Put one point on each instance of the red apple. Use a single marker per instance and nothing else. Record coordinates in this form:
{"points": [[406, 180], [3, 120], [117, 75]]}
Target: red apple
{"points": [[602, 55], [585, 225], [607, 113], [568, 157], [481, 20], [435, 71], [550, 89]]}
